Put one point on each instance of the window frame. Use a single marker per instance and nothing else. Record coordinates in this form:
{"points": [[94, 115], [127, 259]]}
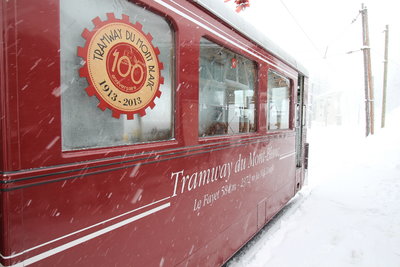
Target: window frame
{"points": [[142, 145], [291, 124], [257, 93]]}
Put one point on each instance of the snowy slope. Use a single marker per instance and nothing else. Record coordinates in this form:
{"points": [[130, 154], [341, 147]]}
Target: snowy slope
{"points": [[348, 215]]}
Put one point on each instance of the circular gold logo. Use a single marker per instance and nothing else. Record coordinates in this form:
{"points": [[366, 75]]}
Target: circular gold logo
{"points": [[121, 66]]}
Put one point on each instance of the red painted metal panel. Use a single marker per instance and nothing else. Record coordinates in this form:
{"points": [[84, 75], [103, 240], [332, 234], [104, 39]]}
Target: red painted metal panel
{"points": [[187, 201], [11, 145], [93, 199]]}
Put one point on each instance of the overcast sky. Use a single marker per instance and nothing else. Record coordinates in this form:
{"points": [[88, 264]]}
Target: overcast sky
{"points": [[320, 33], [309, 26]]}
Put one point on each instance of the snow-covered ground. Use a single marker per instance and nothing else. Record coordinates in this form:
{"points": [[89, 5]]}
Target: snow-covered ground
{"points": [[348, 214]]}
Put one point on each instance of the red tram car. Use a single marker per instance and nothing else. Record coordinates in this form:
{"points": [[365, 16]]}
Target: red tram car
{"points": [[142, 132]]}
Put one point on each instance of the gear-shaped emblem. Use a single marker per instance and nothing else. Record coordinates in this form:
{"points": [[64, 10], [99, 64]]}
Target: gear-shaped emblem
{"points": [[121, 66]]}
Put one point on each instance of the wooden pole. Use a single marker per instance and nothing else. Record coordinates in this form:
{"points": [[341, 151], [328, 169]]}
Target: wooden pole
{"points": [[385, 69], [369, 90]]}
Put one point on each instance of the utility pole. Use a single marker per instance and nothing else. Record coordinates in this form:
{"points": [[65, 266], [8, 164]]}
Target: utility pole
{"points": [[369, 89], [385, 69]]}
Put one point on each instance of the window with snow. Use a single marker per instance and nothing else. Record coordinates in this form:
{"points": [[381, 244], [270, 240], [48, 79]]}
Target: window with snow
{"points": [[278, 102], [84, 124], [227, 97]]}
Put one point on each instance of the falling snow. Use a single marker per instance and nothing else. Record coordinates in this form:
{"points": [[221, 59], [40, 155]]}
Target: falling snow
{"points": [[162, 262], [134, 171], [137, 196], [348, 214], [36, 63], [52, 143]]}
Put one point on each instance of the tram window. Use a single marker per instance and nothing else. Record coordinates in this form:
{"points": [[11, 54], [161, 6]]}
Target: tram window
{"points": [[84, 125], [227, 97], [278, 102]]}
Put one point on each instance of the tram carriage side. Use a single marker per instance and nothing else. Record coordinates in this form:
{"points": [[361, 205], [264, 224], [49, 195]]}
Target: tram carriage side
{"points": [[142, 133]]}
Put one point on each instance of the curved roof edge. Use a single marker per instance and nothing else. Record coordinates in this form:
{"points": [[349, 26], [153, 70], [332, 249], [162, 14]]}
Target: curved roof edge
{"points": [[221, 10]]}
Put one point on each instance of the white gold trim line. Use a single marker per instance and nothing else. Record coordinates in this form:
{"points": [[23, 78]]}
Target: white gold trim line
{"points": [[89, 237], [284, 156], [81, 230]]}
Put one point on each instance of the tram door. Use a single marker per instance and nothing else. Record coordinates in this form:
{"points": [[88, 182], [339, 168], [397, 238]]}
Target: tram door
{"points": [[300, 123]]}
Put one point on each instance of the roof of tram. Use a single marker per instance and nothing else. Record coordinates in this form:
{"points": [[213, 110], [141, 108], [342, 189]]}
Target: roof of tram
{"points": [[222, 10]]}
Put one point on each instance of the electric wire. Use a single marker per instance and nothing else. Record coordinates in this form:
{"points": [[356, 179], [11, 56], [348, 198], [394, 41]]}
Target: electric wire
{"points": [[301, 28], [341, 34]]}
